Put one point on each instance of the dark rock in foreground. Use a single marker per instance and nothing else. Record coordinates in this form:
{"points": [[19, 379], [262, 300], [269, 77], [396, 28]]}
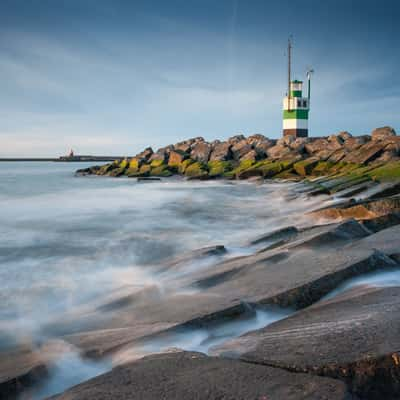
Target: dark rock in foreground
{"points": [[363, 210], [294, 275], [354, 337], [184, 375], [21, 368], [291, 267]]}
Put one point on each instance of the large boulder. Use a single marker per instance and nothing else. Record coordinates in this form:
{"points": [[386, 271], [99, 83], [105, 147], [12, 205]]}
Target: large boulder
{"points": [[353, 337], [305, 167], [201, 151], [364, 210], [299, 144], [337, 155], [323, 148], [393, 144], [162, 153], [335, 142], [184, 146], [278, 151], [316, 145], [145, 154], [366, 153], [239, 149], [105, 169], [355, 142], [261, 147], [197, 170], [221, 152], [235, 139], [176, 157], [250, 155], [20, 369], [255, 138], [218, 168], [189, 375], [344, 135], [383, 133]]}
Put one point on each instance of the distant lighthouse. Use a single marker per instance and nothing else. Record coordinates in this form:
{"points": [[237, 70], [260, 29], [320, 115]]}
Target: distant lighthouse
{"points": [[296, 107]]}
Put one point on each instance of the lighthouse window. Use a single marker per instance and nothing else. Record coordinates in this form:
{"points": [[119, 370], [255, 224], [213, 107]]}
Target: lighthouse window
{"points": [[304, 103], [298, 103]]}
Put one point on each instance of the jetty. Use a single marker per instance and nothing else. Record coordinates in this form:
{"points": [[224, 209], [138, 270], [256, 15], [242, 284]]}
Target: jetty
{"points": [[75, 158]]}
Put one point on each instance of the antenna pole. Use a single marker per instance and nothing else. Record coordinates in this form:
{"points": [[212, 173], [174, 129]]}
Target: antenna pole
{"points": [[289, 69], [309, 72]]}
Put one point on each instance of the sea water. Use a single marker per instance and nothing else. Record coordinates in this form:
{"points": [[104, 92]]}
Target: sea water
{"points": [[67, 240]]}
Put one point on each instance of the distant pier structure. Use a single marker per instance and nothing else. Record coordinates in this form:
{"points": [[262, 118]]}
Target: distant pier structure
{"points": [[296, 108]]}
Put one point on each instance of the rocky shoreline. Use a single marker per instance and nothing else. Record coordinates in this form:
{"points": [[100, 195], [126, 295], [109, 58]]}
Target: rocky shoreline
{"points": [[361, 159], [322, 341]]}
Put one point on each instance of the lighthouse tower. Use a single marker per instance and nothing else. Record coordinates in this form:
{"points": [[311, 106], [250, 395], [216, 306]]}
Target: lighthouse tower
{"points": [[295, 106]]}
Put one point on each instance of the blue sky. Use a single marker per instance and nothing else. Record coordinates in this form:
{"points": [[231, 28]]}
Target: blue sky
{"points": [[111, 77]]}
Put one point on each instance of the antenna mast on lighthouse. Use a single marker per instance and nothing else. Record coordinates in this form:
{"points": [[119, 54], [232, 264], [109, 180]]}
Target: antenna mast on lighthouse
{"points": [[309, 72], [289, 68]]}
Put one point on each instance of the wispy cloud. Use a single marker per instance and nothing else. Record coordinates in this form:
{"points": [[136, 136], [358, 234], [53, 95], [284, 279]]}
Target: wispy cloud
{"points": [[114, 77]]}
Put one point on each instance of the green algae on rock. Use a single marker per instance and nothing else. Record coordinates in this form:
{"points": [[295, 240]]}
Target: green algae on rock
{"points": [[196, 170], [340, 161], [218, 168]]}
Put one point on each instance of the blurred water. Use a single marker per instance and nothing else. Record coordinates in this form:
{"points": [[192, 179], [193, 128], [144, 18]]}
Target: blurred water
{"points": [[203, 339], [373, 279], [68, 369], [65, 240]]}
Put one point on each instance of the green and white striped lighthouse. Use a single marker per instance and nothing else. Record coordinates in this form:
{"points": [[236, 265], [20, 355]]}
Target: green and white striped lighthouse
{"points": [[296, 107]]}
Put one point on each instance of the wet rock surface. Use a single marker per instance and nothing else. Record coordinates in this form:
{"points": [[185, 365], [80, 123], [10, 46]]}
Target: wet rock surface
{"points": [[188, 375], [351, 338], [362, 210], [21, 368], [354, 337], [293, 275]]}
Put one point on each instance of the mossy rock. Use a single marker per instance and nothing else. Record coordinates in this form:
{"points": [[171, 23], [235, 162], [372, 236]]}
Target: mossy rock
{"points": [[134, 164], [323, 168], [286, 164], [124, 164], [218, 168], [265, 168], [270, 170], [117, 172], [196, 170], [387, 172], [305, 167], [243, 166], [161, 171], [346, 168], [157, 163], [145, 170], [349, 182], [182, 167], [355, 171], [176, 157], [288, 174], [105, 169], [132, 172]]}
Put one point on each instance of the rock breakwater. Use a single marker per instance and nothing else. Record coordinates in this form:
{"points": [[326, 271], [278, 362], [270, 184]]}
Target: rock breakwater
{"points": [[359, 158]]}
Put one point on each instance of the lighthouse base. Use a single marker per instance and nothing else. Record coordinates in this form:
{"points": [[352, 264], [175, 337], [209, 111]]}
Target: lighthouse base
{"points": [[295, 132]]}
